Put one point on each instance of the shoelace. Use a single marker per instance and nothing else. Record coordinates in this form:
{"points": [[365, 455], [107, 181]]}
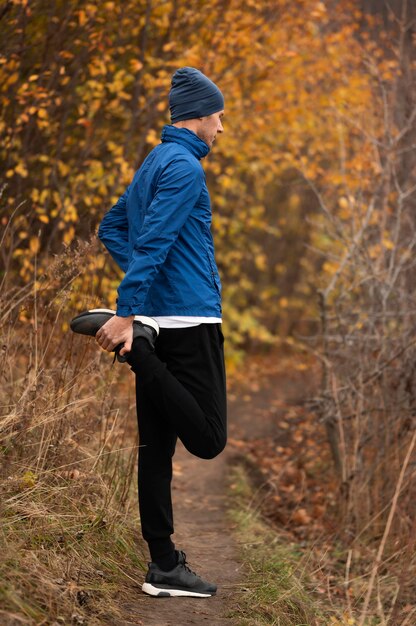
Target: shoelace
{"points": [[186, 564], [120, 359]]}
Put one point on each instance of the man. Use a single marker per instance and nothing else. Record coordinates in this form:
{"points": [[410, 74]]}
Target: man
{"points": [[159, 234]]}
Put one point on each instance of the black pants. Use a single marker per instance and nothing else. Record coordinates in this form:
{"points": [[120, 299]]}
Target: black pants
{"points": [[180, 391]]}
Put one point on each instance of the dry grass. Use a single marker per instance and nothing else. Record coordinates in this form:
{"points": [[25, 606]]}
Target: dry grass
{"points": [[278, 589], [69, 527]]}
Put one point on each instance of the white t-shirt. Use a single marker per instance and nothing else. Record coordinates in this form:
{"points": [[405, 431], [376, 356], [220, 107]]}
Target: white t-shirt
{"points": [[184, 321]]}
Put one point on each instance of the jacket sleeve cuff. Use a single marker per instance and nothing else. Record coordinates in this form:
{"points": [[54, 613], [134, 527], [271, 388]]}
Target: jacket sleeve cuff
{"points": [[124, 310]]}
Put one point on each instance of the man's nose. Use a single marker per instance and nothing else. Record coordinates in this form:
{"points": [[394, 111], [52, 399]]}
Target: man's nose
{"points": [[220, 127]]}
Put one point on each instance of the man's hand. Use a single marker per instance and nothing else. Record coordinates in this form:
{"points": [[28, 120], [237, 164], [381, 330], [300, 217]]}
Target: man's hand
{"points": [[116, 331]]}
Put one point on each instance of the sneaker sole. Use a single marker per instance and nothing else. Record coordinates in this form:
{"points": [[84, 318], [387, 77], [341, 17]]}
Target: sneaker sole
{"points": [[156, 592], [89, 322]]}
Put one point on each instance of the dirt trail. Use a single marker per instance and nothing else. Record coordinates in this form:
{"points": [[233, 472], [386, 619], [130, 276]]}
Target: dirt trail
{"points": [[200, 494], [204, 533]]}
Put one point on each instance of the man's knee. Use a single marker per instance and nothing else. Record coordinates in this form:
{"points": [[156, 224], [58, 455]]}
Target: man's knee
{"points": [[210, 450]]}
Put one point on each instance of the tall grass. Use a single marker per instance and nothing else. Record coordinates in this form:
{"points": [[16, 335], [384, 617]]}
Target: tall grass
{"points": [[277, 590], [368, 351], [68, 523]]}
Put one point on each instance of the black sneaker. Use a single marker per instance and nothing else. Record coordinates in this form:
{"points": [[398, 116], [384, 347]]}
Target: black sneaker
{"points": [[179, 581], [89, 323]]}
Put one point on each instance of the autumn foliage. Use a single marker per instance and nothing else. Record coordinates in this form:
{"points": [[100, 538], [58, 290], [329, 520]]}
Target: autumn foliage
{"points": [[312, 187], [84, 97]]}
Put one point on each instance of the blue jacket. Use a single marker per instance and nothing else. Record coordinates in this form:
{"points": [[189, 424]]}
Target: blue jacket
{"points": [[159, 233]]}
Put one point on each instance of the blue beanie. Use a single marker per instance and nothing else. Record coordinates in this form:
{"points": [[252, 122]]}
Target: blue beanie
{"points": [[193, 95]]}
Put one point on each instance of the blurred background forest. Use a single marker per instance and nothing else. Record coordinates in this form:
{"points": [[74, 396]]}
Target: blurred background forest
{"points": [[313, 187]]}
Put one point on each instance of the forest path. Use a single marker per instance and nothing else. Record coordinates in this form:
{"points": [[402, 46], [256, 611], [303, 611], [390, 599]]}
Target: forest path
{"points": [[201, 498]]}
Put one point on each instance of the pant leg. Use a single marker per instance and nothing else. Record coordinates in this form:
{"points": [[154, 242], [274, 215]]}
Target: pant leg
{"points": [[180, 392], [157, 442], [185, 379]]}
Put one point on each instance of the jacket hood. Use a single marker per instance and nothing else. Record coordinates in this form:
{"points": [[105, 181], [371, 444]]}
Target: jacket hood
{"points": [[186, 138]]}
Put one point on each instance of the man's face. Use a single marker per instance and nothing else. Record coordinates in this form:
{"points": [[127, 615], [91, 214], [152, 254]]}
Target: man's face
{"points": [[209, 126]]}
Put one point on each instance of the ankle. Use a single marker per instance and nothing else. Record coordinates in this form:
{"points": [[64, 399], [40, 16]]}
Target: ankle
{"points": [[140, 352], [167, 562]]}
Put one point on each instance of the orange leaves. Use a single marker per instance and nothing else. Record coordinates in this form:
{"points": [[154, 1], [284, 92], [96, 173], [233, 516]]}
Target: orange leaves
{"points": [[11, 80], [301, 517], [289, 448], [82, 18], [135, 65], [85, 104], [97, 68], [42, 114]]}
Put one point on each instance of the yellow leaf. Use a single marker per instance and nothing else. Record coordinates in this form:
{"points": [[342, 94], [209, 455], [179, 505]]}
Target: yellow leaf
{"points": [[82, 18], [69, 235], [63, 168], [261, 262], [34, 245], [388, 244], [29, 479], [13, 78], [136, 65], [21, 169], [152, 137], [227, 182]]}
